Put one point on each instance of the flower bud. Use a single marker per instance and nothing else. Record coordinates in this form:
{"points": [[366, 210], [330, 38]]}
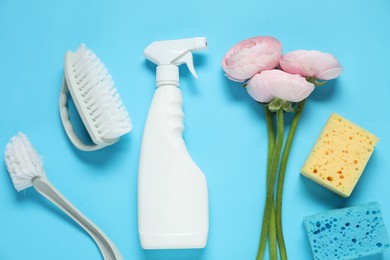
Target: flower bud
{"points": [[251, 56], [269, 84], [315, 64]]}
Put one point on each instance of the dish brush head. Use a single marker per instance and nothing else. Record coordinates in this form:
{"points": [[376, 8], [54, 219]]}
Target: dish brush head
{"points": [[23, 163], [95, 96]]}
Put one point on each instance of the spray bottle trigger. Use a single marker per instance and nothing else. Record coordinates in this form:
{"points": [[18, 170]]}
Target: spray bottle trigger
{"points": [[188, 60]]}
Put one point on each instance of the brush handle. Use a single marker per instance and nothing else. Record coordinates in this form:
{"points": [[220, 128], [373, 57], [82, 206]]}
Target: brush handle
{"points": [[73, 137], [106, 246]]}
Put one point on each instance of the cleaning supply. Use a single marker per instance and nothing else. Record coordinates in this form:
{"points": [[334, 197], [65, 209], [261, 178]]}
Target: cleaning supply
{"points": [[25, 168], [347, 233], [340, 155], [96, 99], [172, 190]]}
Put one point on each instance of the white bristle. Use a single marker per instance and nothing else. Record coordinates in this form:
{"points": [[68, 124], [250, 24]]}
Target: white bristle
{"points": [[23, 162], [99, 94]]}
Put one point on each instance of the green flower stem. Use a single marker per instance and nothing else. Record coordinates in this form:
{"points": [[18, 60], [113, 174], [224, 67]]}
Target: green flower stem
{"points": [[271, 147], [273, 249], [270, 186], [282, 171], [271, 137]]}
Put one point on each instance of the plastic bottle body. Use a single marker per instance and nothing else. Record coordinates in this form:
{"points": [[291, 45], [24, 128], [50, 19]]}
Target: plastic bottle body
{"points": [[172, 190]]}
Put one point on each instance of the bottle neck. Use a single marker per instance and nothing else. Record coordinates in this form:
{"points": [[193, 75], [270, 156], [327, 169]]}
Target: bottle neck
{"points": [[167, 75]]}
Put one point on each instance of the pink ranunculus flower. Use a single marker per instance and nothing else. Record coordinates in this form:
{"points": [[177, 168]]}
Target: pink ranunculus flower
{"points": [[265, 86], [313, 63], [251, 56]]}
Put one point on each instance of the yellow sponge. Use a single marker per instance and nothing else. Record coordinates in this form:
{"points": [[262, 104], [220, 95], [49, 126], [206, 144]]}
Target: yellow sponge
{"points": [[340, 155]]}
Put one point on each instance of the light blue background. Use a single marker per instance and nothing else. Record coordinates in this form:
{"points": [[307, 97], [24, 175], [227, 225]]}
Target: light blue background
{"points": [[225, 129]]}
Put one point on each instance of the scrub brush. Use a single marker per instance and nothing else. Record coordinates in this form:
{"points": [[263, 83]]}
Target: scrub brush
{"points": [[96, 99], [25, 168]]}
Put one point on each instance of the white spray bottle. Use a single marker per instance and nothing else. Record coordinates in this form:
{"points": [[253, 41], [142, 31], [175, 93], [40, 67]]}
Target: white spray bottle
{"points": [[172, 190]]}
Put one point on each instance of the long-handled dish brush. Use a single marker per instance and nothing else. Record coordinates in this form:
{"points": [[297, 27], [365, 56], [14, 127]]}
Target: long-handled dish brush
{"points": [[25, 168]]}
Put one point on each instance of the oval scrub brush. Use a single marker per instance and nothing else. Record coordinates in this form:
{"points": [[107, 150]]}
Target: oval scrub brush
{"points": [[25, 168], [96, 99]]}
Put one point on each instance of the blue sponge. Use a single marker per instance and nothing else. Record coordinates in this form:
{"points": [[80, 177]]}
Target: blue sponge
{"points": [[347, 233]]}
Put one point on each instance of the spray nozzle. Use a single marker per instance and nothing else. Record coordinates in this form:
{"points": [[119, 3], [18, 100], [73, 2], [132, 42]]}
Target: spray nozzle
{"points": [[174, 52]]}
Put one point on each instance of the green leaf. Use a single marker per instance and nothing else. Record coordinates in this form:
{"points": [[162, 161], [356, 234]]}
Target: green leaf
{"points": [[311, 79], [287, 106], [319, 83], [275, 104]]}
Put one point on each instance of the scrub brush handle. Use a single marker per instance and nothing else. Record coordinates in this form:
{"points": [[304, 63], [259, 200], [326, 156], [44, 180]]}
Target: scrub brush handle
{"points": [[68, 124], [106, 246]]}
